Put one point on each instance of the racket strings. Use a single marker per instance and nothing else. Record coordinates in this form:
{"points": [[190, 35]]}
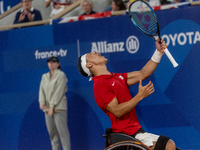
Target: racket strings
{"points": [[149, 27], [144, 19]]}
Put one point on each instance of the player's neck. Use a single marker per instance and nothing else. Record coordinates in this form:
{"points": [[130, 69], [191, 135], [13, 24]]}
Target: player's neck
{"points": [[101, 71]]}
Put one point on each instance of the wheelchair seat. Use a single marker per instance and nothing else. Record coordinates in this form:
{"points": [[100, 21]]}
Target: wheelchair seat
{"points": [[112, 137], [118, 137], [119, 141]]}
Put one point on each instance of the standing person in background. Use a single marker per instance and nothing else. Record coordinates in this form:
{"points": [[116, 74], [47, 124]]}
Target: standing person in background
{"points": [[57, 5], [53, 102], [28, 13], [87, 6]]}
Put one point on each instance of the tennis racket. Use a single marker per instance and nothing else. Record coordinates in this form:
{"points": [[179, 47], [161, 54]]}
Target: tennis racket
{"points": [[146, 21]]}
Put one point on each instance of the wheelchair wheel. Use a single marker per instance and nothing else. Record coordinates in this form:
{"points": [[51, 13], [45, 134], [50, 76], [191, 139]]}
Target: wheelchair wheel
{"points": [[128, 145]]}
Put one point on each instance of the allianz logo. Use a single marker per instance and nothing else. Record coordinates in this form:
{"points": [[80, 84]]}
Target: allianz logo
{"points": [[132, 45], [47, 54]]}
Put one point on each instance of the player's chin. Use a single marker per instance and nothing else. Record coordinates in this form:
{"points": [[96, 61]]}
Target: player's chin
{"points": [[106, 60]]}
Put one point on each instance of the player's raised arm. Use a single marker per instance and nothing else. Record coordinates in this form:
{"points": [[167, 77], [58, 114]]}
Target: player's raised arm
{"points": [[149, 68]]}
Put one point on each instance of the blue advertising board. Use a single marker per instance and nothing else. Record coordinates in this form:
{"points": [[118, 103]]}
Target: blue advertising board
{"points": [[172, 110]]}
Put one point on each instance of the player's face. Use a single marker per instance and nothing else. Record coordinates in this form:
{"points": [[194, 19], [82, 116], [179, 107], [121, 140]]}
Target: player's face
{"points": [[96, 58], [53, 65]]}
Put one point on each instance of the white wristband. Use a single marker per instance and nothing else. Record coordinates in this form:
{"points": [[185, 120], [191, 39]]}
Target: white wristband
{"points": [[157, 56]]}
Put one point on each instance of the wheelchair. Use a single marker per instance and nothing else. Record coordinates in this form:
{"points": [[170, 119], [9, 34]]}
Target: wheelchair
{"points": [[120, 141]]}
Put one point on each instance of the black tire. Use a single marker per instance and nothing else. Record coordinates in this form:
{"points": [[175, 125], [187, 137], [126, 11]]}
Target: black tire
{"points": [[127, 145]]}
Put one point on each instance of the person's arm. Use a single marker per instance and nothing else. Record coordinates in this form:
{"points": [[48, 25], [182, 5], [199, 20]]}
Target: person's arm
{"points": [[119, 110], [17, 17], [58, 93], [149, 68], [41, 96]]}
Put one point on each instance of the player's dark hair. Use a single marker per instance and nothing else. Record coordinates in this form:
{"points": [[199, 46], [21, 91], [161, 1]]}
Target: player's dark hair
{"points": [[120, 4], [80, 69]]}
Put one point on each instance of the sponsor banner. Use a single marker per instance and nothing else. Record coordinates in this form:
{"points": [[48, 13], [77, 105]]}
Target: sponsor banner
{"points": [[131, 45], [172, 6]]}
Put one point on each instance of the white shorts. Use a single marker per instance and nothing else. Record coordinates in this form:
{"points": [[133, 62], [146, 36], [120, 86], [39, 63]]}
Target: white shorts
{"points": [[147, 138]]}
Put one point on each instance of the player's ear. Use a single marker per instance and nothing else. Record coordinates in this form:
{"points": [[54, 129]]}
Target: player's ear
{"points": [[89, 65]]}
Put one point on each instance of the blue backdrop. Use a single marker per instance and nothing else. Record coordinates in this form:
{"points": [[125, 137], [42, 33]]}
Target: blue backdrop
{"points": [[173, 109], [5, 4]]}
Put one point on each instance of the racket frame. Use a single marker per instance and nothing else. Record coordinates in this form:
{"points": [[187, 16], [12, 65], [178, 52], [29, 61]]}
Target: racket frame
{"points": [[174, 63], [158, 29]]}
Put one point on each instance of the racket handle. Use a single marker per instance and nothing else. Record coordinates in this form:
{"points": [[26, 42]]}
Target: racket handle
{"points": [[174, 63]]}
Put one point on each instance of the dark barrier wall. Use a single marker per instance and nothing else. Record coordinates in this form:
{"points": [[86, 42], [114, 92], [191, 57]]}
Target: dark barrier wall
{"points": [[173, 109]]}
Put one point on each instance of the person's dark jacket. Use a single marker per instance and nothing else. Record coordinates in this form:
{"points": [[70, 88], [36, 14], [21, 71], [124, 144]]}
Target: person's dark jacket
{"points": [[36, 13], [92, 12]]}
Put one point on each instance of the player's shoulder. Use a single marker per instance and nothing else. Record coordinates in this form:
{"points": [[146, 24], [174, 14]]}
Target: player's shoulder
{"points": [[100, 82], [121, 75]]}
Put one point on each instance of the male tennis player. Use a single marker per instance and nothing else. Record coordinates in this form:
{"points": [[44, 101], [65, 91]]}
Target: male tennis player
{"points": [[113, 97]]}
